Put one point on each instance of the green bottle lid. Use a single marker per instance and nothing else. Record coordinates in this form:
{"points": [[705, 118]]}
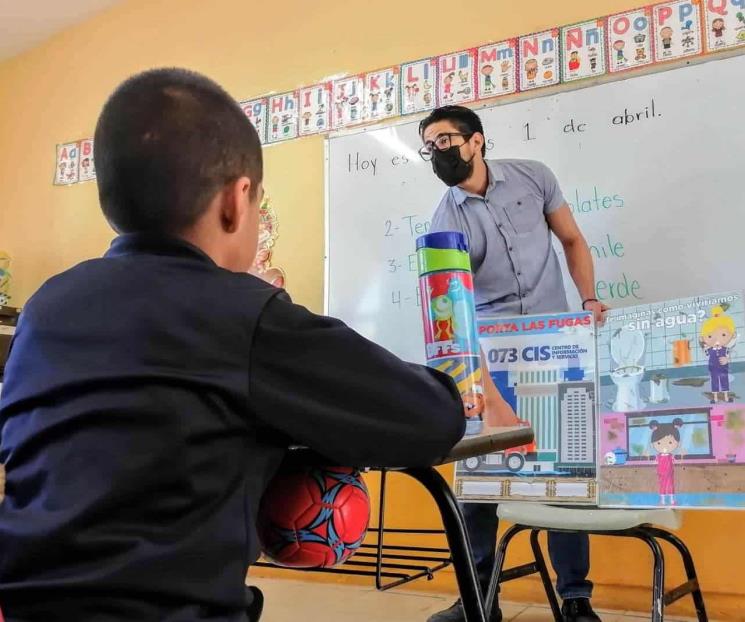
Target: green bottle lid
{"points": [[441, 259]]}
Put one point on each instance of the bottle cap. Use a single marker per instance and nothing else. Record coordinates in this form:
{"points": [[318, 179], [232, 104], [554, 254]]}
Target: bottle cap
{"points": [[452, 240]]}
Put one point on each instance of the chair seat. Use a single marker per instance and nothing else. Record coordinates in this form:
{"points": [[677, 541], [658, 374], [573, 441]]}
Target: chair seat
{"points": [[585, 519]]}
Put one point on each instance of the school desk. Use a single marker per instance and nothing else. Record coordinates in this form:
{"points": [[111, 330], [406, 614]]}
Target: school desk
{"points": [[491, 440]]}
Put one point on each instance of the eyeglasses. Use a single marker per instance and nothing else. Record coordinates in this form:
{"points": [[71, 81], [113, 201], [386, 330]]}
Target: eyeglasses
{"points": [[443, 142]]}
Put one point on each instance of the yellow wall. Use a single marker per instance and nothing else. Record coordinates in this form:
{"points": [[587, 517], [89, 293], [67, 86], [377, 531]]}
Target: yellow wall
{"points": [[53, 93]]}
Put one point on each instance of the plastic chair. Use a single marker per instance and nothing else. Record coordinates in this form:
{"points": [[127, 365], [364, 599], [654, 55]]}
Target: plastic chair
{"points": [[637, 524]]}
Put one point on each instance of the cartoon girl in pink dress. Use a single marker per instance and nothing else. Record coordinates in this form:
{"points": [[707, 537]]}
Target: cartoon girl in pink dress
{"points": [[665, 440]]}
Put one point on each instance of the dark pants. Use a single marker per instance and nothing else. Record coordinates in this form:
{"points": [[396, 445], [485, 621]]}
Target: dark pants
{"points": [[569, 552], [719, 379]]}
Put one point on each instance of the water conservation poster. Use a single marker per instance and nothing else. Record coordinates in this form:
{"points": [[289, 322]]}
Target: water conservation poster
{"points": [[672, 404], [544, 366]]}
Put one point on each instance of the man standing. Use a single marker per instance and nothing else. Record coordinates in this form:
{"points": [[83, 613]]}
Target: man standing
{"points": [[508, 210]]}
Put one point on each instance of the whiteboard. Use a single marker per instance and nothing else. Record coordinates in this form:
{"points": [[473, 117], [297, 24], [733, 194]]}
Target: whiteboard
{"points": [[653, 168]]}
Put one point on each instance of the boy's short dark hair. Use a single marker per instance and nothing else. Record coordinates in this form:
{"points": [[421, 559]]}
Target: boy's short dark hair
{"points": [[465, 119], [166, 141]]}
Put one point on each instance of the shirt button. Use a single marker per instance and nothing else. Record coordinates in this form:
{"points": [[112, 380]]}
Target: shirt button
{"points": [[509, 248], [519, 274]]}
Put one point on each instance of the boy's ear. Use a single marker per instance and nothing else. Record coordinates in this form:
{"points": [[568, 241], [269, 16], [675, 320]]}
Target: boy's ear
{"points": [[228, 211], [235, 202]]}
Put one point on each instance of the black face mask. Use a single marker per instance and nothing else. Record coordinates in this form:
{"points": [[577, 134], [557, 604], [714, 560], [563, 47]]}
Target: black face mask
{"points": [[450, 167]]}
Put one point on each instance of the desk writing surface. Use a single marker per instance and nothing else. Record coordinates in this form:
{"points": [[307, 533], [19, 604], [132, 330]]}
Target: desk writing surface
{"points": [[489, 440]]}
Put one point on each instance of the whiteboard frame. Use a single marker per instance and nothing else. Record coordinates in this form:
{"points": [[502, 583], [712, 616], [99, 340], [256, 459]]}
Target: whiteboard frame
{"points": [[550, 91]]}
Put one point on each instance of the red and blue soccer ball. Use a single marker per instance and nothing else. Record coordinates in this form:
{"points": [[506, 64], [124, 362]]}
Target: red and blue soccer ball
{"points": [[313, 517]]}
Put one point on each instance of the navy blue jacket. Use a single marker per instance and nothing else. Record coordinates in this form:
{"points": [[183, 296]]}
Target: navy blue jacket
{"points": [[149, 396]]}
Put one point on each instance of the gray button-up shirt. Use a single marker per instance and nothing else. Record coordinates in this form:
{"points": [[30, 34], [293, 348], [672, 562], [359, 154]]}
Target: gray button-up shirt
{"points": [[515, 268]]}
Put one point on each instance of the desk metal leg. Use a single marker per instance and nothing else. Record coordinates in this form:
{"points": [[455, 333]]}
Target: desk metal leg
{"points": [[457, 536], [381, 533]]}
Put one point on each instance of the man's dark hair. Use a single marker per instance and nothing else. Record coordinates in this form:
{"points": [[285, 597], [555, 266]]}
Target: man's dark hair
{"points": [[465, 119], [166, 142]]}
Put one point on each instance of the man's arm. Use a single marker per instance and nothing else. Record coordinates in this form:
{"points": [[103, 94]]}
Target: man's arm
{"points": [[579, 259], [324, 386]]}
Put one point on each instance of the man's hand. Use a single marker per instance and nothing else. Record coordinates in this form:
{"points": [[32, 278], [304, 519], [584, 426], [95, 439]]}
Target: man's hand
{"points": [[473, 404], [598, 309], [498, 413]]}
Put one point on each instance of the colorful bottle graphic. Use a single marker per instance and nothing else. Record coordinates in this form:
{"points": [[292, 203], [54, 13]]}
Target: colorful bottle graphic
{"points": [[449, 317]]}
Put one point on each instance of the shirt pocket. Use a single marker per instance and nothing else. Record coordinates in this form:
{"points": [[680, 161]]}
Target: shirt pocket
{"points": [[524, 213]]}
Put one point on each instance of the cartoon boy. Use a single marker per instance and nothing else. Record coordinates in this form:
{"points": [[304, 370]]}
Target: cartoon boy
{"points": [[666, 34], [486, 71], [374, 100], [618, 46]]}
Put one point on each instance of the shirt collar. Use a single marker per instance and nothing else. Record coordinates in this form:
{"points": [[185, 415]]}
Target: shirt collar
{"points": [[155, 244], [495, 174]]}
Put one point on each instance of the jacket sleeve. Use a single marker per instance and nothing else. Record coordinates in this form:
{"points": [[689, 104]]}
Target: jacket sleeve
{"points": [[315, 380]]}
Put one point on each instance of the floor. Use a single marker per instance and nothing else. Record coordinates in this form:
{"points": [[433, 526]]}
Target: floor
{"points": [[289, 601]]}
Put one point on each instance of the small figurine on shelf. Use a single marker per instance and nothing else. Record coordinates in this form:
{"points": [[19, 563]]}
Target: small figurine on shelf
{"points": [[268, 233], [4, 278]]}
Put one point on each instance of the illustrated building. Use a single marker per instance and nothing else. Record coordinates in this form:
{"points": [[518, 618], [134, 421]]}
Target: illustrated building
{"points": [[576, 423], [537, 403]]}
